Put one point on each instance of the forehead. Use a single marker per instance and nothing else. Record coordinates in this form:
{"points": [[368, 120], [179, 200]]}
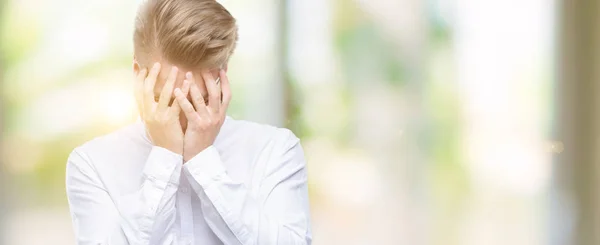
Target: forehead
{"points": [[165, 71]]}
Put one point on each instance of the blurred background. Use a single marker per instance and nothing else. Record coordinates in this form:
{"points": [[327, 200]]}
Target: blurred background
{"points": [[467, 122]]}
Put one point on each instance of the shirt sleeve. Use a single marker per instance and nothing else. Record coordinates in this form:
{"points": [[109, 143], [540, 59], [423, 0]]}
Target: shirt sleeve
{"points": [[145, 216], [273, 212]]}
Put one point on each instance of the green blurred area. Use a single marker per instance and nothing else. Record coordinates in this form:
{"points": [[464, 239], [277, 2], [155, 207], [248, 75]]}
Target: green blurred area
{"points": [[363, 48], [410, 80]]}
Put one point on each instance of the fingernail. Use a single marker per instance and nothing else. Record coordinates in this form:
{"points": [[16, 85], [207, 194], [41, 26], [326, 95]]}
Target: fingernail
{"points": [[156, 65], [174, 69], [177, 91], [188, 75]]}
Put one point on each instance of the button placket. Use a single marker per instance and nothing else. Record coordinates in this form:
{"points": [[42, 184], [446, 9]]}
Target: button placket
{"points": [[185, 212]]}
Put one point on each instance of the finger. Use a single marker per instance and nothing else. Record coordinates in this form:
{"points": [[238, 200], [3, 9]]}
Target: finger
{"points": [[176, 108], [167, 91], [190, 77], [139, 90], [214, 93], [149, 84], [197, 98], [198, 101], [226, 91], [186, 106]]}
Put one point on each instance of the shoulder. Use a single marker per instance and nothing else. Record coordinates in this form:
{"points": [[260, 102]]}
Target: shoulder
{"points": [[273, 152], [266, 147], [122, 142], [257, 134]]}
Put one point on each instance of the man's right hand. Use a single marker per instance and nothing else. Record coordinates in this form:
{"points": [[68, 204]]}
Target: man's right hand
{"points": [[161, 120]]}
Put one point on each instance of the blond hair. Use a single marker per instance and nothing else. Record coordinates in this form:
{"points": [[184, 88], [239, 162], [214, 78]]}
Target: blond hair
{"points": [[188, 33]]}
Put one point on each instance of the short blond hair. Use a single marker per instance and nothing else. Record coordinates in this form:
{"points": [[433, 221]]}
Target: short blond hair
{"points": [[187, 33]]}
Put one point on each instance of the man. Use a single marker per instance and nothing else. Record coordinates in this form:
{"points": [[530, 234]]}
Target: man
{"points": [[186, 173]]}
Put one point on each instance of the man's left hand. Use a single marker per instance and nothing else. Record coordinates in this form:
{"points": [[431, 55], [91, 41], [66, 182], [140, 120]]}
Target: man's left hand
{"points": [[204, 120]]}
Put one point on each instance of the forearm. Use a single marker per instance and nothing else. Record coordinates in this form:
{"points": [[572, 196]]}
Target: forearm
{"points": [[144, 216], [276, 212], [239, 218]]}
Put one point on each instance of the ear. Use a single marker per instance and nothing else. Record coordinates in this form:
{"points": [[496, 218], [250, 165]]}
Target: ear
{"points": [[136, 66]]}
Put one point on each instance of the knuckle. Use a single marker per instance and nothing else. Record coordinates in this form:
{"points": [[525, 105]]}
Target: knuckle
{"points": [[214, 122], [204, 126], [197, 98]]}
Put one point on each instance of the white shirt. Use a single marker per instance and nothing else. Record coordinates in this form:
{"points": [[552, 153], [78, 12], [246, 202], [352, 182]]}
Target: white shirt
{"points": [[249, 187]]}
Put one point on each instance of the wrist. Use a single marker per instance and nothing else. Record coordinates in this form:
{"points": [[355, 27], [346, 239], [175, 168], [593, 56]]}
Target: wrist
{"points": [[172, 148], [189, 154], [177, 151]]}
